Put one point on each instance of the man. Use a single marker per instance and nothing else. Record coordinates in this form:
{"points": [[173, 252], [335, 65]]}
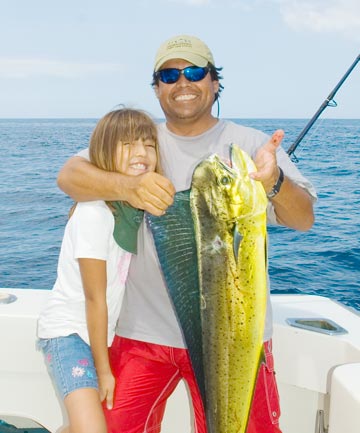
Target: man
{"points": [[149, 356]]}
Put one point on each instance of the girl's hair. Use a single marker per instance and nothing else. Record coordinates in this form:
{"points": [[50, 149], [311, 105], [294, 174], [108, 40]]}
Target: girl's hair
{"points": [[122, 125]]}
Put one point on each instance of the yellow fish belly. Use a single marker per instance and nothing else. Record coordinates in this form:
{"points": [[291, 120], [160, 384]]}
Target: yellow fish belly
{"points": [[229, 212]]}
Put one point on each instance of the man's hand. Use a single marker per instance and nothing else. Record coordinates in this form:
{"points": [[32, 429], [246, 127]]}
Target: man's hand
{"points": [[266, 162], [150, 191], [293, 204], [83, 181]]}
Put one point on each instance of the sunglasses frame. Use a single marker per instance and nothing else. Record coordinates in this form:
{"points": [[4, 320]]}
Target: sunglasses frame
{"points": [[184, 71]]}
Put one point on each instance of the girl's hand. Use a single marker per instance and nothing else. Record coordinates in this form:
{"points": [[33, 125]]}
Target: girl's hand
{"points": [[106, 389]]}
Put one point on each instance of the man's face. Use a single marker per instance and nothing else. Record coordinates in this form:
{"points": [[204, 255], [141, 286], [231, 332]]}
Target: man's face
{"points": [[185, 100]]}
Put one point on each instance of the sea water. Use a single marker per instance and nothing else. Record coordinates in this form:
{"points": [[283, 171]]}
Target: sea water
{"points": [[324, 261]]}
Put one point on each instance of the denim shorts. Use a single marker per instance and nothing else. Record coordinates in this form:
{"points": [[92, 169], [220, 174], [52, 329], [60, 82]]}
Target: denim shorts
{"points": [[70, 363]]}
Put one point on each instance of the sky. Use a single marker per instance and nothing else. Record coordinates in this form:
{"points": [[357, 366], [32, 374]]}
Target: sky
{"points": [[82, 58]]}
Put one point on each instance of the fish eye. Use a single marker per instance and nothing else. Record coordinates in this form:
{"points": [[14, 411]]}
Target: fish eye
{"points": [[225, 180]]}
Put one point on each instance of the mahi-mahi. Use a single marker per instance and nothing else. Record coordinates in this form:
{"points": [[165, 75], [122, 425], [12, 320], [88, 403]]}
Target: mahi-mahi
{"points": [[229, 213]]}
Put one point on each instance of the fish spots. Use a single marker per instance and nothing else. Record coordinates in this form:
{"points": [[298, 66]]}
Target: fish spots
{"points": [[229, 213]]}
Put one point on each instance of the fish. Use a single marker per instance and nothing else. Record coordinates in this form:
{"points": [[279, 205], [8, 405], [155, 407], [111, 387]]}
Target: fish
{"points": [[211, 245], [229, 215], [174, 239]]}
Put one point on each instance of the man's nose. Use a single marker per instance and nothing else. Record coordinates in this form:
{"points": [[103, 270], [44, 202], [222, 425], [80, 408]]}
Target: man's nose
{"points": [[183, 81]]}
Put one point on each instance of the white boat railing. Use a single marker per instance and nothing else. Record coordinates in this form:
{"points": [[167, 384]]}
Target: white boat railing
{"points": [[318, 374]]}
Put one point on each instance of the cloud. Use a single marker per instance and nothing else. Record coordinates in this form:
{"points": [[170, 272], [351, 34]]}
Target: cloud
{"points": [[323, 16], [28, 68], [193, 2], [244, 4], [198, 2]]}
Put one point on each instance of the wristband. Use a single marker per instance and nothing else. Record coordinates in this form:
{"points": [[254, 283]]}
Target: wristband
{"points": [[276, 188]]}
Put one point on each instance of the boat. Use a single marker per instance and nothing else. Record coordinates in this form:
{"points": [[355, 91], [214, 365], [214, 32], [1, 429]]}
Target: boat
{"points": [[316, 346]]}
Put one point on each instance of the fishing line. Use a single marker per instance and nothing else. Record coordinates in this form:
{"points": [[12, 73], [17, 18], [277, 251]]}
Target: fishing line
{"points": [[329, 102], [307, 141]]}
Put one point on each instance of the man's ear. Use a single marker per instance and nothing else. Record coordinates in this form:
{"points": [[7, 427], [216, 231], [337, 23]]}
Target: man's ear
{"points": [[156, 90]]}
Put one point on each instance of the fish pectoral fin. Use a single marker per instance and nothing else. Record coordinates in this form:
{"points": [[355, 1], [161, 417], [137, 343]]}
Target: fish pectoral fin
{"points": [[237, 238]]}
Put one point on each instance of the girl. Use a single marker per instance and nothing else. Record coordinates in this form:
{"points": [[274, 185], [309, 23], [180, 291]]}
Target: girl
{"points": [[78, 323]]}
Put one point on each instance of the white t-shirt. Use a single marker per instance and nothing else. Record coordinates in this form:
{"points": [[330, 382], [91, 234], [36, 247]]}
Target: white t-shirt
{"points": [[88, 234], [147, 313]]}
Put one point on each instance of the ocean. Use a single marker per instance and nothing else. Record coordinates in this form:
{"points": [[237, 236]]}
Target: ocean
{"points": [[324, 261]]}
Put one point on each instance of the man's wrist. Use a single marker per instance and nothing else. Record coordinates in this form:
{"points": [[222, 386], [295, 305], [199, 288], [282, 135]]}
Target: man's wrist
{"points": [[276, 187]]}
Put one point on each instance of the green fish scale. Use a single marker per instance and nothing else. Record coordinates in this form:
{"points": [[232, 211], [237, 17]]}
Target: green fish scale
{"points": [[174, 239]]}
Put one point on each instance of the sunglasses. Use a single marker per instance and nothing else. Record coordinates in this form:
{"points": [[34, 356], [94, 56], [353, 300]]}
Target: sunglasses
{"points": [[191, 73]]}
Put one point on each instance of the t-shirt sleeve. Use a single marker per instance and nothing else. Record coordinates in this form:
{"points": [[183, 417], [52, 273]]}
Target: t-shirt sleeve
{"points": [[84, 154], [92, 227]]}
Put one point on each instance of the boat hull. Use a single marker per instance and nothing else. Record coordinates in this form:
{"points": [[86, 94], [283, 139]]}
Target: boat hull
{"points": [[315, 371]]}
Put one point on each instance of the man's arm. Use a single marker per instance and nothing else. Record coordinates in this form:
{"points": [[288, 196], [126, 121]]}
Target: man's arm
{"points": [[82, 181], [292, 204]]}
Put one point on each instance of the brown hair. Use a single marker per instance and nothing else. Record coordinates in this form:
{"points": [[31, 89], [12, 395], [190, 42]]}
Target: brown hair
{"points": [[124, 125]]}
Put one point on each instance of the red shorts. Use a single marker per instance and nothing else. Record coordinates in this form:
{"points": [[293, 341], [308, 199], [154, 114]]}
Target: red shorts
{"points": [[147, 374]]}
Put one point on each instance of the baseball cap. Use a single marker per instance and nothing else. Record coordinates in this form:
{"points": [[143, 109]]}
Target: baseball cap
{"points": [[184, 47]]}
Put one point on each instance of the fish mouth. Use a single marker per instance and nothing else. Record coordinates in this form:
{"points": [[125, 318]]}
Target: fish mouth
{"points": [[230, 174], [234, 176], [227, 166]]}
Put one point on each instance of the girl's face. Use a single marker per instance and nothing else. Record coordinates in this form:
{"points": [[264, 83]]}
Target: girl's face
{"points": [[136, 157]]}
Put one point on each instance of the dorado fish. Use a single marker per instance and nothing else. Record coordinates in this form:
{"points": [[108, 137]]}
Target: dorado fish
{"points": [[229, 214], [211, 248], [174, 239]]}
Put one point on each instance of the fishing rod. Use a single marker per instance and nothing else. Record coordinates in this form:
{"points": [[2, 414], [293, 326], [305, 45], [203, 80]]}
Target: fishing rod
{"points": [[329, 101]]}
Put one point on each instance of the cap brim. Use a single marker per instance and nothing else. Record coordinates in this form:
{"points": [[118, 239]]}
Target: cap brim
{"points": [[193, 58]]}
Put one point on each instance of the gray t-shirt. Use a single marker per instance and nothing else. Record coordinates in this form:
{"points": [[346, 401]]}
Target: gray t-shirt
{"points": [[147, 313]]}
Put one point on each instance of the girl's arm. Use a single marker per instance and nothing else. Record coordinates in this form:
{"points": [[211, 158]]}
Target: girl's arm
{"points": [[93, 274]]}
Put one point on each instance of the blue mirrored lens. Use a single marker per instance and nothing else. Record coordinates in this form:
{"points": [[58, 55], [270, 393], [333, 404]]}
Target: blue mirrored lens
{"points": [[192, 73], [169, 76]]}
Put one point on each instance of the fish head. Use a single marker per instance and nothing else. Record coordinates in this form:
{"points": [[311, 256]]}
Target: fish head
{"points": [[216, 182], [252, 197], [227, 188]]}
